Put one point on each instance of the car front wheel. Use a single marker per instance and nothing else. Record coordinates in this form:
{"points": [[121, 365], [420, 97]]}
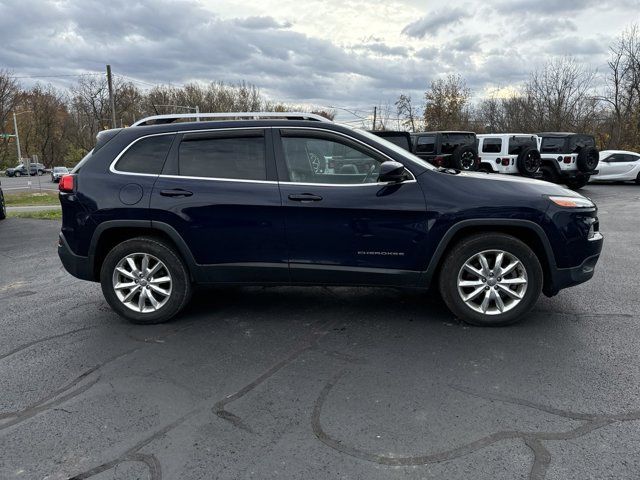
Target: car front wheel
{"points": [[491, 279], [145, 280]]}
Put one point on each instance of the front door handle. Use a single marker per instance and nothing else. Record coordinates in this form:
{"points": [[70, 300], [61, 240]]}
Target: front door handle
{"points": [[305, 197], [176, 192]]}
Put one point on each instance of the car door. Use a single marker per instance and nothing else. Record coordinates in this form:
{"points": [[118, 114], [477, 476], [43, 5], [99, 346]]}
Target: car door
{"points": [[613, 166], [344, 226], [219, 192]]}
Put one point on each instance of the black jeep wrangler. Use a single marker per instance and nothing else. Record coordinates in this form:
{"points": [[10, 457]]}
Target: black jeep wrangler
{"points": [[447, 149]]}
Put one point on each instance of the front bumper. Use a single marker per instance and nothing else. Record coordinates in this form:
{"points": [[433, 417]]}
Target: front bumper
{"points": [[561, 278], [76, 265]]}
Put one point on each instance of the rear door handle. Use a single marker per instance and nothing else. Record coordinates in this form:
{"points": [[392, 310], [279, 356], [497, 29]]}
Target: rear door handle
{"points": [[176, 192], [305, 197]]}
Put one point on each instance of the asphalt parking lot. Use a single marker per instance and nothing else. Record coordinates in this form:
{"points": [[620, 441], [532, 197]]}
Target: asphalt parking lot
{"points": [[21, 184], [350, 383]]}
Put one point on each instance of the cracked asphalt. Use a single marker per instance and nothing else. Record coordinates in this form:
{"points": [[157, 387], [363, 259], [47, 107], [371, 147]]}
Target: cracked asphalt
{"points": [[350, 383]]}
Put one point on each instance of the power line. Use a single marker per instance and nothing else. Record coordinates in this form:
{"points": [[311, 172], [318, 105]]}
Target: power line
{"points": [[60, 76]]}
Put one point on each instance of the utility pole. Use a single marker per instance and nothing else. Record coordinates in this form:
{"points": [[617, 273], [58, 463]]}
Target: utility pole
{"points": [[375, 114], [112, 102], [15, 130], [197, 112]]}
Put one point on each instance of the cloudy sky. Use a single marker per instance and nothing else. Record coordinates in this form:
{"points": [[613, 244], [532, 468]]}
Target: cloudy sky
{"points": [[323, 52]]}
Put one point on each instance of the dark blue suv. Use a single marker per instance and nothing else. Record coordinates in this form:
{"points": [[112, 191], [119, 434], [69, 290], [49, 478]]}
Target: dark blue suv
{"points": [[262, 200]]}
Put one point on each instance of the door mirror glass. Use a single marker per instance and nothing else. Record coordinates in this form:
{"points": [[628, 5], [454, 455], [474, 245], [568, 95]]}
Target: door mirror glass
{"points": [[392, 172]]}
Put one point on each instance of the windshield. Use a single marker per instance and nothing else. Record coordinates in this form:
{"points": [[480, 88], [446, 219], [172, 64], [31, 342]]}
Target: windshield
{"points": [[399, 150]]}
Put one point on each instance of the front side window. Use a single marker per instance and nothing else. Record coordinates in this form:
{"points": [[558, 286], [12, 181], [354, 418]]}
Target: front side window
{"points": [[314, 160], [229, 157], [145, 156], [492, 145]]}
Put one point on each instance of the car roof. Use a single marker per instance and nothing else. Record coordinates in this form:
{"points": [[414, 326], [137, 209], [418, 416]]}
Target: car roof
{"points": [[562, 134], [610, 152], [483, 135], [442, 131]]}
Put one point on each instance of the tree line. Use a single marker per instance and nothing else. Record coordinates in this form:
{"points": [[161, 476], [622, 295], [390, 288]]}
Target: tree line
{"points": [[60, 126], [560, 96]]}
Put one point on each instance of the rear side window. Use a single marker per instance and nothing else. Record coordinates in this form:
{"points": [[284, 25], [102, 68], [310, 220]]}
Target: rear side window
{"points": [[492, 145], [450, 141], [426, 144], [240, 158], [552, 145], [146, 155], [580, 141]]}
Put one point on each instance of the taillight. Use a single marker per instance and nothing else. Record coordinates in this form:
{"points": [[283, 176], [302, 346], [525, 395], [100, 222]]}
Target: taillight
{"points": [[438, 161], [67, 183], [567, 159], [505, 162]]}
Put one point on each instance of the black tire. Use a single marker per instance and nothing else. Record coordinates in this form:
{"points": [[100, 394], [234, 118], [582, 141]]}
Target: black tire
{"points": [[588, 158], [465, 158], [549, 174], [528, 162], [473, 245], [577, 183], [180, 287], [3, 207], [638, 179]]}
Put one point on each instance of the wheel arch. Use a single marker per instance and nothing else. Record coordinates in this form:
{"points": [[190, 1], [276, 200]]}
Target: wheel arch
{"points": [[527, 231], [109, 233]]}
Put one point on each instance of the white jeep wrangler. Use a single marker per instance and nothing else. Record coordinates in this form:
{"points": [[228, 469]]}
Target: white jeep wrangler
{"points": [[510, 153], [568, 158]]}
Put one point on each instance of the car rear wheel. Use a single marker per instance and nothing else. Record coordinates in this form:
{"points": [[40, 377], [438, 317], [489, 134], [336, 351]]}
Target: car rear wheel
{"points": [[145, 280], [490, 279]]}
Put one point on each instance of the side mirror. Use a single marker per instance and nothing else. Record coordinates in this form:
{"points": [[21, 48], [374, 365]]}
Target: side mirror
{"points": [[391, 172]]}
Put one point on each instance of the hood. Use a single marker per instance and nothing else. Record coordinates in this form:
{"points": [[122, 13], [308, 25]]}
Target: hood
{"points": [[523, 184]]}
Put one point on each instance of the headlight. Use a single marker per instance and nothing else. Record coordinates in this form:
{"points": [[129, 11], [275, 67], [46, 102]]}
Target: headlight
{"points": [[572, 202]]}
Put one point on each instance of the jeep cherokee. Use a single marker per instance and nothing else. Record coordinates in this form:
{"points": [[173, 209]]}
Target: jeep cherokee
{"points": [[235, 199]]}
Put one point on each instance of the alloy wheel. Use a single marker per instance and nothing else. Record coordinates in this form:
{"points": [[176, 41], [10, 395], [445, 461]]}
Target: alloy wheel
{"points": [[492, 282], [467, 160], [142, 282]]}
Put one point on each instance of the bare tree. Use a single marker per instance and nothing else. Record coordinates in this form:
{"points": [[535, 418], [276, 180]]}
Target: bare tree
{"points": [[9, 97], [407, 112]]}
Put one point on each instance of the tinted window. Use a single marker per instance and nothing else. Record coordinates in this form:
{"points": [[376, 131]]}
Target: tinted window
{"points": [[399, 140], [241, 158], [426, 144], [452, 140], [552, 145], [576, 142], [144, 156], [518, 144], [492, 145], [312, 160]]}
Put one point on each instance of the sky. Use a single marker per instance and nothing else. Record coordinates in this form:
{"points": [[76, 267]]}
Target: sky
{"points": [[339, 53]]}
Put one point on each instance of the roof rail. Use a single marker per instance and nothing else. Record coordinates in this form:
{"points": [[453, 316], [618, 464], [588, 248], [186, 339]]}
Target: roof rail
{"points": [[172, 117]]}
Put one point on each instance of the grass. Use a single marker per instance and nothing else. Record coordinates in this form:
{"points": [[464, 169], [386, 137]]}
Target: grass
{"points": [[40, 214], [23, 199]]}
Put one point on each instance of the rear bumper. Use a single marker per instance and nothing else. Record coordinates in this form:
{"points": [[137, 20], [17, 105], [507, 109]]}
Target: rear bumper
{"points": [[76, 265], [577, 173], [568, 277]]}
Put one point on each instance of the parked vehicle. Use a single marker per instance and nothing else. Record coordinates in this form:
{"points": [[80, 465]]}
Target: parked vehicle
{"points": [[447, 149], [21, 169], [618, 166], [156, 207], [3, 207], [399, 138], [510, 153], [57, 173], [568, 158]]}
